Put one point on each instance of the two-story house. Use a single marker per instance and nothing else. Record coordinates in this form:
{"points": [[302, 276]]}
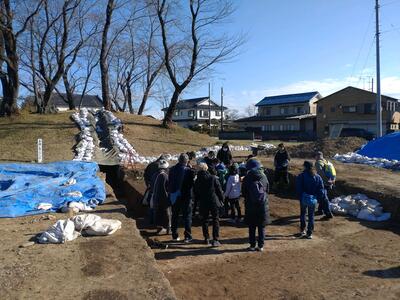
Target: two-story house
{"points": [[354, 108], [195, 112], [284, 117]]}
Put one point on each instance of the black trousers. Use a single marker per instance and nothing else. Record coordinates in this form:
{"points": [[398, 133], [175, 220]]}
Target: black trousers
{"points": [[281, 175], [184, 206], [205, 213], [235, 207]]}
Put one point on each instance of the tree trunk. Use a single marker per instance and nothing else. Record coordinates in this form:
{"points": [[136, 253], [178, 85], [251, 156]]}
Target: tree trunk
{"points": [[68, 91], [167, 122], [105, 89], [144, 100]]}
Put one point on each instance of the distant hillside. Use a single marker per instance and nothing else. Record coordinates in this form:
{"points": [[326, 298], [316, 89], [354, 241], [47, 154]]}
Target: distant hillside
{"points": [[18, 136]]}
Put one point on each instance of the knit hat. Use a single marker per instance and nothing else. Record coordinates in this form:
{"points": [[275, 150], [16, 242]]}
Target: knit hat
{"points": [[163, 164], [308, 165], [253, 164], [183, 158]]}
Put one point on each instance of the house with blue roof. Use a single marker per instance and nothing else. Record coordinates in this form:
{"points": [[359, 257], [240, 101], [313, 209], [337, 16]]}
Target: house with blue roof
{"points": [[291, 116], [197, 112]]}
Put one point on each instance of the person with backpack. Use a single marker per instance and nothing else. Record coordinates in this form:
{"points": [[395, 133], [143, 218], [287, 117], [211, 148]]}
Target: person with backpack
{"points": [[151, 169], [281, 163], [224, 155], [221, 173], [309, 188], [209, 195], [255, 190], [160, 201], [232, 193], [327, 171]]}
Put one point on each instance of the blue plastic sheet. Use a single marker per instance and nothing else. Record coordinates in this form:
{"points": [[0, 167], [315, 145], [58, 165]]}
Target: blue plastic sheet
{"points": [[24, 186], [387, 147]]}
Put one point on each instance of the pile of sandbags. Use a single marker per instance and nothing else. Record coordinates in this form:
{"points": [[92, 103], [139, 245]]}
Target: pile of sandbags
{"points": [[68, 230], [359, 206], [85, 148], [356, 158]]}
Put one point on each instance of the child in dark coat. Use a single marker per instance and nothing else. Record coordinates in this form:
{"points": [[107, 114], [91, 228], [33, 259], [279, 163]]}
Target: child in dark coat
{"points": [[255, 189]]}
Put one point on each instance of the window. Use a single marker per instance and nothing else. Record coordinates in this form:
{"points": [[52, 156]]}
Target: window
{"points": [[191, 113], [284, 110], [333, 109], [217, 113], [177, 113], [204, 113], [320, 109], [281, 127], [350, 109], [267, 111], [299, 110], [369, 108]]}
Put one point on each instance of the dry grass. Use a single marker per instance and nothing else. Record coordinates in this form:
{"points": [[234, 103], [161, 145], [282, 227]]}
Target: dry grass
{"points": [[149, 138], [18, 136]]}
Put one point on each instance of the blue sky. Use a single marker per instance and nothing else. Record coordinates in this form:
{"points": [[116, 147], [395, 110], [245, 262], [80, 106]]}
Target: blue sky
{"points": [[305, 45]]}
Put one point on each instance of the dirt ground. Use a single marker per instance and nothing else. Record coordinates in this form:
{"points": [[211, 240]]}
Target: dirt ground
{"points": [[120, 266], [345, 260]]}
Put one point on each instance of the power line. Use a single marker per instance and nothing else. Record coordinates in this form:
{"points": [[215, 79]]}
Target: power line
{"points": [[390, 3], [362, 44], [367, 58]]}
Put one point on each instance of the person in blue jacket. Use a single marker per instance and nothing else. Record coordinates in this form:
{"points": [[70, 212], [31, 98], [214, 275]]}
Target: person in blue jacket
{"points": [[179, 203], [309, 188]]}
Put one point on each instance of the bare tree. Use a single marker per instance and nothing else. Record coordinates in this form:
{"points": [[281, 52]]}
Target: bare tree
{"points": [[9, 55], [154, 62], [196, 48], [53, 44], [105, 88], [251, 110], [232, 114]]}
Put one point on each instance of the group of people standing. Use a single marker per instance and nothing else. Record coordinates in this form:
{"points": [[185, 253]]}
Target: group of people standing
{"points": [[214, 185]]}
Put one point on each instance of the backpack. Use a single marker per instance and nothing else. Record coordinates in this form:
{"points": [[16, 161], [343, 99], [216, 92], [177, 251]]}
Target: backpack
{"points": [[329, 169], [257, 192]]}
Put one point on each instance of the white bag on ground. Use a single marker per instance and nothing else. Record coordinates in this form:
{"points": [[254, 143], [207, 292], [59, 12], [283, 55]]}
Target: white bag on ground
{"points": [[94, 225], [60, 232], [84, 221], [103, 227]]}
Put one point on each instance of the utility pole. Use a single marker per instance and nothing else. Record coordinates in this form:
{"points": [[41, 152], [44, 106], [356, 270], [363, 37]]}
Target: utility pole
{"points": [[209, 106], [378, 76], [222, 109]]}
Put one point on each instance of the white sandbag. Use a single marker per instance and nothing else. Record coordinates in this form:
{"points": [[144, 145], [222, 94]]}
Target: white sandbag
{"points": [[70, 182], [84, 221], [60, 232], [44, 206], [359, 206], [103, 227], [79, 206]]}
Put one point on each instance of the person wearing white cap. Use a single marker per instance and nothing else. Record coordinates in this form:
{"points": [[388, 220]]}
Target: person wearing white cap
{"points": [[159, 201]]}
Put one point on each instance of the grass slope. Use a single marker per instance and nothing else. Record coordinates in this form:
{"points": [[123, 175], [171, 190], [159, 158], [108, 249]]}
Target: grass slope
{"points": [[18, 136]]}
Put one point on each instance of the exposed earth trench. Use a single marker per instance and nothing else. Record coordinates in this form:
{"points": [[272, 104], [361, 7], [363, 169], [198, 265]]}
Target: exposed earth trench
{"points": [[347, 259]]}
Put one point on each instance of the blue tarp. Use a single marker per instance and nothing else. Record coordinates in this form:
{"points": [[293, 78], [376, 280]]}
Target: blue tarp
{"points": [[387, 147], [24, 186]]}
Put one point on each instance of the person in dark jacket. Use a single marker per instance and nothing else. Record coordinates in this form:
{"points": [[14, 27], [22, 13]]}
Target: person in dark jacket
{"points": [[176, 178], [151, 169], [224, 155], [208, 192], [309, 188], [211, 160], [255, 190], [160, 201], [281, 163]]}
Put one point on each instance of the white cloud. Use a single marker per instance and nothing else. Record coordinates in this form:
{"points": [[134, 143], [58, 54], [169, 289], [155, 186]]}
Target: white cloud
{"points": [[390, 87]]}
